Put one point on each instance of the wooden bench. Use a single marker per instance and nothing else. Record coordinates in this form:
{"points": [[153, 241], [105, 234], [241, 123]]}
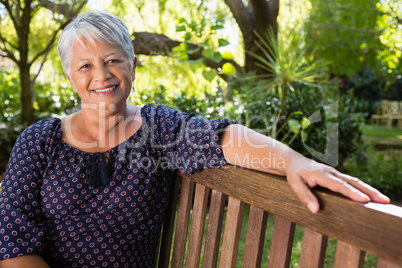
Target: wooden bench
{"points": [[206, 200], [389, 111]]}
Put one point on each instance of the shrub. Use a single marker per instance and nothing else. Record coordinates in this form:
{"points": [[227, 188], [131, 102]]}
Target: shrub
{"points": [[209, 106], [381, 170], [294, 128]]}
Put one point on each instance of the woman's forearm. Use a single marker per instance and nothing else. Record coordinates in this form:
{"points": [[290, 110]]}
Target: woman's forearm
{"points": [[247, 148], [31, 261]]}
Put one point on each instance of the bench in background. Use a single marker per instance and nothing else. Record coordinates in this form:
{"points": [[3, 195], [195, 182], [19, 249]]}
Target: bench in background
{"points": [[389, 111]]}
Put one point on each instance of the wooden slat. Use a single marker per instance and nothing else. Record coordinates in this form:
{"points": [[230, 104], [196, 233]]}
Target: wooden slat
{"points": [[382, 263], [339, 217], [281, 245], [254, 245], [347, 256], [214, 230], [168, 224], [197, 226], [231, 235], [183, 216], [312, 253]]}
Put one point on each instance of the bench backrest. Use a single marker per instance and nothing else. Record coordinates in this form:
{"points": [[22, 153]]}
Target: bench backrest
{"points": [[215, 200]]}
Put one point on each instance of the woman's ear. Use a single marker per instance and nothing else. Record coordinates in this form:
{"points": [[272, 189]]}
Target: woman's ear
{"points": [[71, 82]]}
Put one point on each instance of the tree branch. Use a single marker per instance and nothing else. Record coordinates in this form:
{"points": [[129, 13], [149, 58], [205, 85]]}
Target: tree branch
{"points": [[58, 8], [50, 43], [9, 55], [16, 21], [18, 10], [46, 50], [153, 44], [63, 9], [6, 42], [41, 65], [72, 13]]}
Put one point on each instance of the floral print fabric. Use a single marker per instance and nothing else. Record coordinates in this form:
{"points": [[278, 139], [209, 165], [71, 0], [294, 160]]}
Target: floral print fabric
{"points": [[50, 207]]}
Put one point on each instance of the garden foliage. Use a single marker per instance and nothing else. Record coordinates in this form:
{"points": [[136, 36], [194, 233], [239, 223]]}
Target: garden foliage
{"points": [[49, 102], [381, 170]]}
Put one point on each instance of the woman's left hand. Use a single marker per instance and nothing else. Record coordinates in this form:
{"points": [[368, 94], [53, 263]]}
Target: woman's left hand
{"points": [[303, 174]]}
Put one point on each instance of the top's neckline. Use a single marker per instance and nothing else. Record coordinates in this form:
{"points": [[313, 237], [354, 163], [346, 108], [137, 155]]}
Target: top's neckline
{"points": [[137, 133]]}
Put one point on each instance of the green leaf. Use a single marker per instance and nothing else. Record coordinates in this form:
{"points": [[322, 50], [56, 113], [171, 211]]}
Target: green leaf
{"points": [[187, 36], [181, 48], [182, 20], [36, 105], [193, 25], [217, 27], [304, 136], [223, 42], [228, 69], [180, 28], [208, 53], [227, 55], [195, 64], [305, 123], [183, 57], [217, 57], [209, 74], [294, 125]]}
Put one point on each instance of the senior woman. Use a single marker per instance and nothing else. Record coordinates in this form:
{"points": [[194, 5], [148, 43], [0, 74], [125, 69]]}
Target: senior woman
{"points": [[90, 189]]}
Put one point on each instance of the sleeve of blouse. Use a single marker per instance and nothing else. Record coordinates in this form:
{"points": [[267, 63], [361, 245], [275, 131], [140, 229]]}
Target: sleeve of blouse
{"points": [[22, 228], [189, 142]]}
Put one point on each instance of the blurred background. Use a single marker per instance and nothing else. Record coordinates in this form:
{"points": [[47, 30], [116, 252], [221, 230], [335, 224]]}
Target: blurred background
{"points": [[269, 65]]}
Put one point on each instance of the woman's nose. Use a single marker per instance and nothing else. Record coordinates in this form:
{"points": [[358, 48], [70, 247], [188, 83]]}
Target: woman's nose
{"points": [[102, 73]]}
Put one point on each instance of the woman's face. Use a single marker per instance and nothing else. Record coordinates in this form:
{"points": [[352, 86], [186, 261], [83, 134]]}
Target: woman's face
{"points": [[101, 75]]}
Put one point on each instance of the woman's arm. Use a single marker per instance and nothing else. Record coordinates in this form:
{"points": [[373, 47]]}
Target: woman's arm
{"points": [[31, 261], [247, 148]]}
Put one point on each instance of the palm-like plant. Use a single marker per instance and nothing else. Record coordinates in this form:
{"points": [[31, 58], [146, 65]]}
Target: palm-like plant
{"points": [[285, 67]]}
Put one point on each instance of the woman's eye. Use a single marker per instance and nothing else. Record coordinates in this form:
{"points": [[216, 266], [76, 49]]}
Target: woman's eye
{"points": [[85, 66], [112, 61]]}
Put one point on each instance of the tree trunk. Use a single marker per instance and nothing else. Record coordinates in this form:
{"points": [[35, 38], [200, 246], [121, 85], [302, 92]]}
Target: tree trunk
{"points": [[258, 16], [265, 16], [27, 95]]}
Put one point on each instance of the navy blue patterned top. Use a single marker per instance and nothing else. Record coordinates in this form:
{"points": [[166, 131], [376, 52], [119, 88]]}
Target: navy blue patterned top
{"points": [[49, 205]]}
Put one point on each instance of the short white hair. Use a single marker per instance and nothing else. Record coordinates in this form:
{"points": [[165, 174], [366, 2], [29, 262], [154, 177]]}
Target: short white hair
{"points": [[94, 26]]}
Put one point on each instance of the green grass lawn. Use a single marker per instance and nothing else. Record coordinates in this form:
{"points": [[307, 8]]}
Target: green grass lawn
{"points": [[382, 132]]}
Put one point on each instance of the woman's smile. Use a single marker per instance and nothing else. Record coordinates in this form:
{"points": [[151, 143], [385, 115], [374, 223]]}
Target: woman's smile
{"points": [[105, 90]]}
